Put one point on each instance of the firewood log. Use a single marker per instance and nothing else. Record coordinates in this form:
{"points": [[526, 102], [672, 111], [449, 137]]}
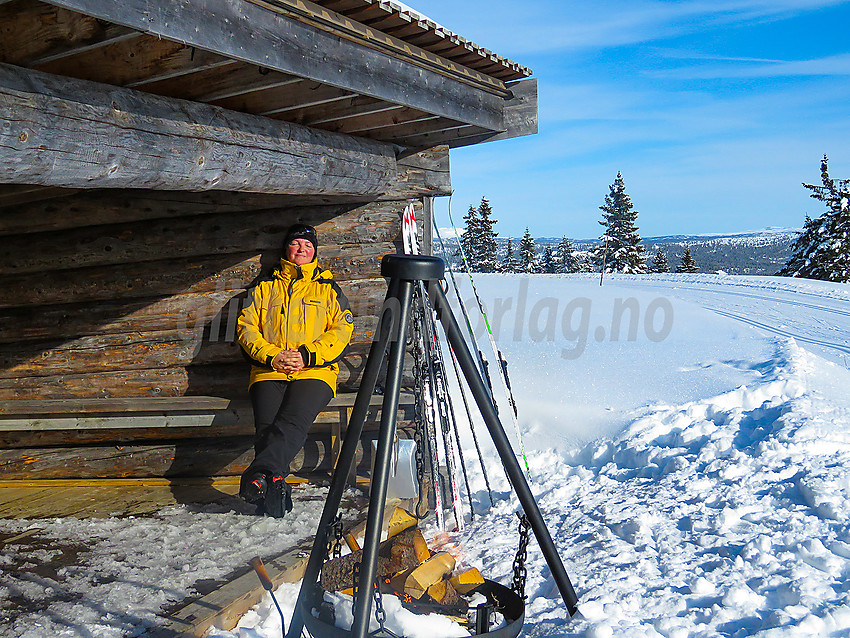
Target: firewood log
{"points": [[397, 554], [466, 581], [399, 521], [445, 594], [432, 571]]}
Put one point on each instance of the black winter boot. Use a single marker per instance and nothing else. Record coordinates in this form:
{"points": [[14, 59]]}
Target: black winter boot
{"points": [[254, 488], [278, 499]]}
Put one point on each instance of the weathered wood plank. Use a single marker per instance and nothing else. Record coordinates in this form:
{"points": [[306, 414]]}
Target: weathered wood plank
{"points": [[168, 277], [34, 31], [223, 456], [371, 121], [277, 100], [420, 127], [226, 605], [220, 83], [320, 116], [194, 310], [138, 350], [133, 61], [17, 194], [29, 209], [76, 133], [520, 119], [196, 236], [269, 36], [225, 380]]}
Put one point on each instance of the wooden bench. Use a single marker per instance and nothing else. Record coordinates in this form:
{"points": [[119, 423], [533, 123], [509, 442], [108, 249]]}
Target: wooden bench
{"points": [[162, 436]]}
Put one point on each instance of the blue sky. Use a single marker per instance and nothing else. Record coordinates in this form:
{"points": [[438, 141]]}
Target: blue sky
{"points": [[714, 112]]}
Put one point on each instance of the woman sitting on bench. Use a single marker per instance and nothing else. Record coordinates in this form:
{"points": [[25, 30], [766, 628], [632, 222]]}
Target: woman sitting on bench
{"points": [[295, 331]]}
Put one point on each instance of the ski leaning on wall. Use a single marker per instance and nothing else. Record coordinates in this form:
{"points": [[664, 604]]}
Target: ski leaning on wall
{"points": [[430, 379], [503, 364]]}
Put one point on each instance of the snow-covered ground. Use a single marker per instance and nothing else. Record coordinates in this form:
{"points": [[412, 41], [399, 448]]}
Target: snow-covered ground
{"points": [[689, 444]]}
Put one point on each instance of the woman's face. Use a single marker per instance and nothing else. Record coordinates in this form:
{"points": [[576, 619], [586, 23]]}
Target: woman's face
{"points": [[300, 252]]}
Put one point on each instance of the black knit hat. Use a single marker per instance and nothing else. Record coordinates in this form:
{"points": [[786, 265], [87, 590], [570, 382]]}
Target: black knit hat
{"points": [[301, 231]]}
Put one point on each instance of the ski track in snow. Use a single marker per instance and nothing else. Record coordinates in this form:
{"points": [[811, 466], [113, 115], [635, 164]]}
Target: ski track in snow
{"points": [[695, 486]]}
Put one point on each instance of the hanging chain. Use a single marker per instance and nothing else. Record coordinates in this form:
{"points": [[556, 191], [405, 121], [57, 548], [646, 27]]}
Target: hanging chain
{"points": [[419, 433], [380, 613], [333, 534], [520, 573]]}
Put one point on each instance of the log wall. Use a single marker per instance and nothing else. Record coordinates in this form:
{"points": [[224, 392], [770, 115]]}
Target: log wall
{"points": [[144, 301], [134, 294]]}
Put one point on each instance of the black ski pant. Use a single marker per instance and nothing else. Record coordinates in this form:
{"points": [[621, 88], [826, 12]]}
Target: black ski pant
{"points": [[283, 414]]}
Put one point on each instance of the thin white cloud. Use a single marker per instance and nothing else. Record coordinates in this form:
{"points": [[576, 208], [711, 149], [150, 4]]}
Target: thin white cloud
{"points": [[826, 66]]}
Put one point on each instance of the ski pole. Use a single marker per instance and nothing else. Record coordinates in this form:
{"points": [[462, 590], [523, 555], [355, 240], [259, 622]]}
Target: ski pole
{"points": [[268, 585]]}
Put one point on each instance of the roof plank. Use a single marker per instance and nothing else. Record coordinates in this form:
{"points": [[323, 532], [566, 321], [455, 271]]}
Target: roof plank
{"points": [[270, 37]]}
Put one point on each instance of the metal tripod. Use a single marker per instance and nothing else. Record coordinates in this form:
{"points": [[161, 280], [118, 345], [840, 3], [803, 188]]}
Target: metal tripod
{"points": [[404, 271]]}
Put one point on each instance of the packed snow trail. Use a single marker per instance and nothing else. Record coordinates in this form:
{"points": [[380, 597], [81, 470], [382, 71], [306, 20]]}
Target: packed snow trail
{"points": [[811, 312]]}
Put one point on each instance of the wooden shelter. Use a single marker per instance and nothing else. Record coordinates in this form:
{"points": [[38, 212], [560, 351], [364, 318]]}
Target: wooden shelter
{"points": [[152, 155]]}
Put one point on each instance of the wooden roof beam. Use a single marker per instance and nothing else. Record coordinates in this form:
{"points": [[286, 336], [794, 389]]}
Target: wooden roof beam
{"points": [[278, 37], [283, 98], [34, 32], [520, 119], [220, 83], [326, 114], [79, 134], [135, 62], [367, 124]]}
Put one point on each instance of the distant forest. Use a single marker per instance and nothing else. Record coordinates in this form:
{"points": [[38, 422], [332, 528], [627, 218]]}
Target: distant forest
{"points": [[762, 253]]}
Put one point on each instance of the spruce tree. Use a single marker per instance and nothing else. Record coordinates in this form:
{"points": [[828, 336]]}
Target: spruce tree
{"points": [[585, 263], [659, 262], [823, 249], [547, 262], [527, 253], [621, 249], [509, 263], [565, 259], [486, 248], [470, 238], [688, 264]]}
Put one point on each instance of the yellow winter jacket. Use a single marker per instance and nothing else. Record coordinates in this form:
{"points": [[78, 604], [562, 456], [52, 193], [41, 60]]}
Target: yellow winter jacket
{"points": [[299, 307]]}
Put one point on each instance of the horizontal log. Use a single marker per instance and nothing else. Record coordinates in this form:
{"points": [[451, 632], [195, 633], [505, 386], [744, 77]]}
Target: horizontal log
{"points": [[169, 277], [214, 309], [191, 457], [197, 236], [18, 194], [80, 134], [232, 411], [68, 209], [228, 456], [139, 350], [71, 208], [425, 174], [224, 380], [17, 439]]}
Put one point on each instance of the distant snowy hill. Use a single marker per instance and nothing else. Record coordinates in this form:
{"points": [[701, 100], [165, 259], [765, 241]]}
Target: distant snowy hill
{"points": [[761, 252], [755, 253]]}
